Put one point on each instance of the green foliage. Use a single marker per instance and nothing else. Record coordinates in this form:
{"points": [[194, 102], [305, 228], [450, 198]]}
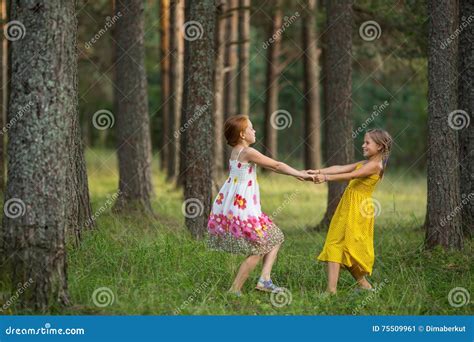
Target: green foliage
{"points": [[391, 68]]}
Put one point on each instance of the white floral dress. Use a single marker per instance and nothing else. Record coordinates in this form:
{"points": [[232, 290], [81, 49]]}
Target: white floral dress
{"points": [[236, 223]]}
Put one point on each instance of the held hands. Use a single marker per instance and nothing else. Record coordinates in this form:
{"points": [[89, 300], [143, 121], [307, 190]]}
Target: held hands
{"points": [[314, 175]]}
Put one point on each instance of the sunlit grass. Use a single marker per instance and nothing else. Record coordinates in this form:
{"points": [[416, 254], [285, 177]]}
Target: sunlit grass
{"points": [[155, 267]]}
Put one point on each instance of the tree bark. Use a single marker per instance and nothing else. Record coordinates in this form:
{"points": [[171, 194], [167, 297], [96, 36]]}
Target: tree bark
{"points": [[272, 82], [338, 101], [78, 199], [131, 108], [443, 226], [244, 56], [3, 95], [218, 118], [230, 65], [165, 90], [44, 104], [312, 147], [466, 103], [176, 86], [198, 110]]}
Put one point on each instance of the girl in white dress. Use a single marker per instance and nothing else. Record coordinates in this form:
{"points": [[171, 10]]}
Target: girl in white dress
{"points": [[236, 222]]}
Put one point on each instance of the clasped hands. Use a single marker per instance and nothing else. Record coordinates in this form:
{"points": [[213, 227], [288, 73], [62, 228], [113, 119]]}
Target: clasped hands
{"points": [[313, 175]]}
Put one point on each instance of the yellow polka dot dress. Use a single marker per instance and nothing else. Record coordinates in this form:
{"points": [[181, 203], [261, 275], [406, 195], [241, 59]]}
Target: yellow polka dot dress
{"points": [[350, 238]]}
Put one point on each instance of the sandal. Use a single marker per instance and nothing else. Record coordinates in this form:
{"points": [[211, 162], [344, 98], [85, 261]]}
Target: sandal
{"points": [[267, 286]]}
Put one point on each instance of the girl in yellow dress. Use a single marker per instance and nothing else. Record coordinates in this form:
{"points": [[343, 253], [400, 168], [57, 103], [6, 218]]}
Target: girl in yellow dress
{"points": [[350, 238]]}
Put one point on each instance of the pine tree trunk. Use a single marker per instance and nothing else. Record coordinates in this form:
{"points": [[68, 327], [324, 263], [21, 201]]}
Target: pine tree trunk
{"points": [[198, 110], [466, 103], [44, 100], [131, 108], [338, 102], [78, 199], [443, 226], [311, 88], [272, 82], [230, 65], [165, 90], [3, 95], [176, 84], [218, 118], [244, 56]]}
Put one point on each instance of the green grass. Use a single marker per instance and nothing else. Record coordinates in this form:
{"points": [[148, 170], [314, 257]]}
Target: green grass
{"points": [[155, 267]]}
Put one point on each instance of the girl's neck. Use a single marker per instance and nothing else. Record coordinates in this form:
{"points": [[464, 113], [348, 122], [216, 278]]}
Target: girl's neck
{"points": [[242, 144], [376, 157]]}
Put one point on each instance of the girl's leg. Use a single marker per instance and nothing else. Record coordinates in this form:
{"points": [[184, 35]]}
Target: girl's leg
{"points": [[268, 261], [245, 268], [359, 276], [333, 276]]}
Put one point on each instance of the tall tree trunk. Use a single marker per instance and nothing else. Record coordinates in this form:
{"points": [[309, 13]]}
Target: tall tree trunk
{"points": [[3, 93], [36, 213], [230, 65], [466, 103], [165, 90], [79, 208], [131, 108], [272, 82], [312, 147], [443, 226], [198, 110], [244, 56], [176, 84], [338, 101], [218, 118]]}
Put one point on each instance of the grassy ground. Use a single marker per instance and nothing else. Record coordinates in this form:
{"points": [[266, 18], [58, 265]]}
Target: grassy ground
{"points": [[154, 267]]}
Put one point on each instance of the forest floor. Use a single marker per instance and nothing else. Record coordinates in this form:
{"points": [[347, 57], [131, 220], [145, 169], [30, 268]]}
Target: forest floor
{"points": [[134, 265]]}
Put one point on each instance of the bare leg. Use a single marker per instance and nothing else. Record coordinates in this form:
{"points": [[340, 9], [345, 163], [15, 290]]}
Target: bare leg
{"points": [[245, 268], [359, 276], [268, 261], [333, 276]]}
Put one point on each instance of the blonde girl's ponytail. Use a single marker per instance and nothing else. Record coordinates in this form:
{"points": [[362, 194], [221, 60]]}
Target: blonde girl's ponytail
{"points": [[382, 138]]}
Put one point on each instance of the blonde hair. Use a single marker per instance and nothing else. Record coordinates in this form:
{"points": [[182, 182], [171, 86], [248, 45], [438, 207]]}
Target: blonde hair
{"points": [[384, 139]]}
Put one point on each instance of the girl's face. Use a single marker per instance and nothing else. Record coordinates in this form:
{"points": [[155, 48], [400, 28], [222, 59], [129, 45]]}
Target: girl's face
{"points": [[369, 147], [248, 134]]}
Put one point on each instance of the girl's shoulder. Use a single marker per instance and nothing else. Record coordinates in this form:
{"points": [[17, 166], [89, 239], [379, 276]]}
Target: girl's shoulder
{"points": [[376, 166]]}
